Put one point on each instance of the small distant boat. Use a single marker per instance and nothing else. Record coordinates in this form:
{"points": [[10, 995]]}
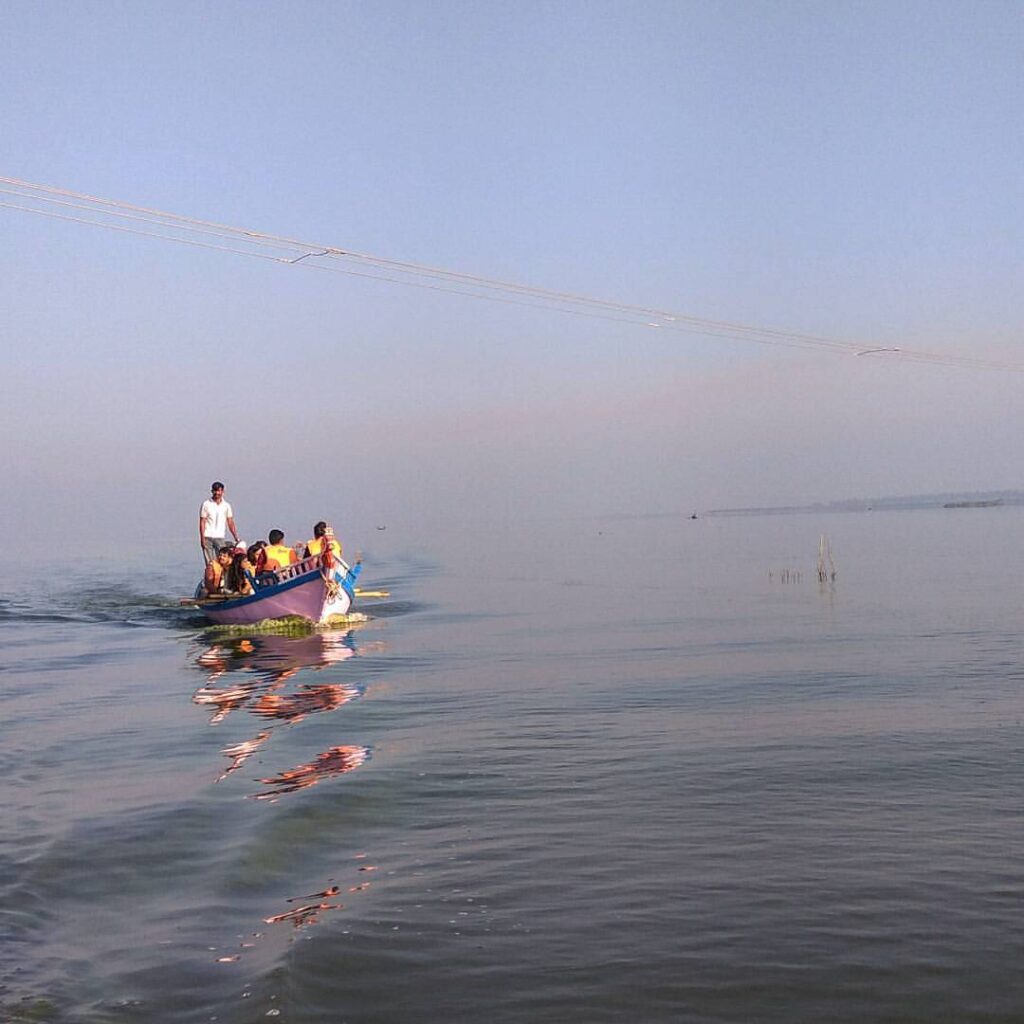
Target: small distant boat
{"points": [[314, 589], [994, 503]]}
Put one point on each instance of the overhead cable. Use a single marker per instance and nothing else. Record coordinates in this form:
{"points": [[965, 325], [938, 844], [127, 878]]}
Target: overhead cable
{"points": [[117, 215]]}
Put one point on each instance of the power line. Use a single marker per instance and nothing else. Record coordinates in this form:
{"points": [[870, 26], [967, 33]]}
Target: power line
{"points": [[117, 215]]}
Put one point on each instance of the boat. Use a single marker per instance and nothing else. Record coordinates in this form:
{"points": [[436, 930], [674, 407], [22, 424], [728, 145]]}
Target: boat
{"points": [[994, 503], [317, 589]]}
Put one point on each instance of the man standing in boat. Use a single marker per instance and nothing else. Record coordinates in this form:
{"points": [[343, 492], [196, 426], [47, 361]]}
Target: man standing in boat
{"points": [[215, 519]]}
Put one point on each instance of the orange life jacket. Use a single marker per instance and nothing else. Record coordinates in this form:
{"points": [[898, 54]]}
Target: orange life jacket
{"points": [[213, 577]]}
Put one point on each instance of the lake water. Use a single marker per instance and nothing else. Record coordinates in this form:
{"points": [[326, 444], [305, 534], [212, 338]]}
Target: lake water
{"points": [[631, 770]]}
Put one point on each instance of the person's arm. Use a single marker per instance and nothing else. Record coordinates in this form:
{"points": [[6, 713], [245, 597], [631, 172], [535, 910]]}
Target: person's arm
{"points": [[201, 545], [231, 527]]}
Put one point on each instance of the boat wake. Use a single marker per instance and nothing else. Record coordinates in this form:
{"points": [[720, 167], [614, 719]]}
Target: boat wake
{"points": [[114, 605]]}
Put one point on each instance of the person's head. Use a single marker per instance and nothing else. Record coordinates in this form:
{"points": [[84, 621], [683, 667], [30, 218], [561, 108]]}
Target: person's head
{"points": [[225, 555], [236, 571], [275, 536], [320, 529], [254, 549]]}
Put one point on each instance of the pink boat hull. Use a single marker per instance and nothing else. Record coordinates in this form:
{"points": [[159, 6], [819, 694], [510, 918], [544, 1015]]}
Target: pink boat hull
{"points": [[301, 591]]}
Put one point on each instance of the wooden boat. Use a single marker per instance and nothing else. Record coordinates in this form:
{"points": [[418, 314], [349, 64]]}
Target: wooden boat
{"points": [[310, 589]]}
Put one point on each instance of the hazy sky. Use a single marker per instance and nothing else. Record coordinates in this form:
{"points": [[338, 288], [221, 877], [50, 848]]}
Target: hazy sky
{"points": [[847, 169]]}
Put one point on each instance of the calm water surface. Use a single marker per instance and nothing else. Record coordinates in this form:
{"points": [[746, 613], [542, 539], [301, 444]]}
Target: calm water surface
{"points": [[635, 769]]}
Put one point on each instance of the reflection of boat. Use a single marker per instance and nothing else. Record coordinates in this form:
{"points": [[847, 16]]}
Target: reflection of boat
{"points": [[310, 589], [274, 657], [333, 761], [265, 685]]}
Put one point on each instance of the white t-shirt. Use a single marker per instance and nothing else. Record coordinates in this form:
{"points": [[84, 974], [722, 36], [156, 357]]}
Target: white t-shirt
{"points": [[215, 518]]}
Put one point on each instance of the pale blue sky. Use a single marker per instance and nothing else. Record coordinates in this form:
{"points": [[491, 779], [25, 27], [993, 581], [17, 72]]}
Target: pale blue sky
{"points": [[850, 169]]}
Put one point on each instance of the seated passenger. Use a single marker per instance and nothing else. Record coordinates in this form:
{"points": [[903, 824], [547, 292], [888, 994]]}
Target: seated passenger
{"points": [[239, 575], [279, 555], [316, 545], [213, 578], [257, 556]]}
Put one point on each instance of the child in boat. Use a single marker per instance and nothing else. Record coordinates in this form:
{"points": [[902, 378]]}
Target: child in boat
{"points": [[213, 578]]}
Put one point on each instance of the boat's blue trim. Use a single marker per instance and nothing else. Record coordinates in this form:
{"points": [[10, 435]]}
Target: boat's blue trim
{"points": [[277, 588], [347, 583]]}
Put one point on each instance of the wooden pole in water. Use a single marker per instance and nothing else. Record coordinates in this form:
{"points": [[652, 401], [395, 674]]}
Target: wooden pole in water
{"points": [[825, 574]]}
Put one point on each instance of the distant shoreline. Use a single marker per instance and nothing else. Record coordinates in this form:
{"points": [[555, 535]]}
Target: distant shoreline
{"points": [[982, 499]]}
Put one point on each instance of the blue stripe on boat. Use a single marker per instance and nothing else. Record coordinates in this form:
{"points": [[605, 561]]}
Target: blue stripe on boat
{"points": [[298, 581], [350, 579]]}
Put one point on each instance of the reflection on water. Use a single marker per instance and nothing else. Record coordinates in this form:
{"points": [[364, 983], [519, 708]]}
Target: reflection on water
{"points": [[269, 661], [275, 657], [308, 699], [323, 894], [241, 752], [303, 915], [313, 905], [333, 761], [224, 699], [308, 913], [267, 667]]}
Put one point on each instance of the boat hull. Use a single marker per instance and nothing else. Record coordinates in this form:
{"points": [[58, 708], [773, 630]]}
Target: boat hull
{"points": [[302, 591]]}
